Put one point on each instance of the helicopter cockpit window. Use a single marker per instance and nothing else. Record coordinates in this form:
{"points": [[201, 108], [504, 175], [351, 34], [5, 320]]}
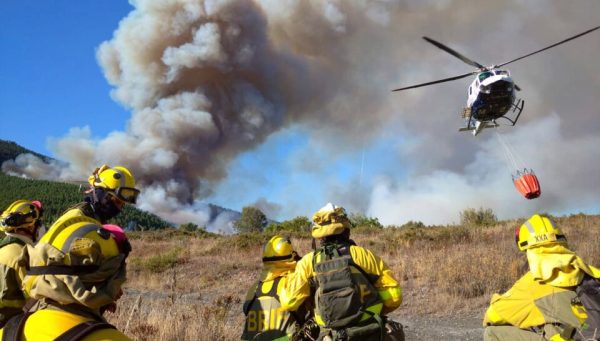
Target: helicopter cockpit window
{"points": [[485, 75]]}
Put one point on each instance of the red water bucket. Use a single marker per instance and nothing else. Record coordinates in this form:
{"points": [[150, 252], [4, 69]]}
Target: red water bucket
{"points": [[527, 184]]}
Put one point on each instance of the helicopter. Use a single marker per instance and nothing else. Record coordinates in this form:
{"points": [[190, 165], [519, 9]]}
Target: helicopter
{"points": [[491, 95]]}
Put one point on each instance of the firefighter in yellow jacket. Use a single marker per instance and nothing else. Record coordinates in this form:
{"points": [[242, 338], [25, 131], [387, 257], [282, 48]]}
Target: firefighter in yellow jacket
{"points": [[77, 268], [544, 303], [353, 289], [21, 222], [265, 320]]}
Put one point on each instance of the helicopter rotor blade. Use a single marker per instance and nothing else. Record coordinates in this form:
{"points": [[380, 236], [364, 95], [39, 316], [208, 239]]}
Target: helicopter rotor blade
{"points": [[436, 82], [454, 53], [551, 46]]}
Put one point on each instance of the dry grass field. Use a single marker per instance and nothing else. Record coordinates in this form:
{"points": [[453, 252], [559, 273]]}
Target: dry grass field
{"points": [[183, 287]]}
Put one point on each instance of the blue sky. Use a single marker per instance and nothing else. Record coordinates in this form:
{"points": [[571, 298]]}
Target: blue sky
{"points": [[319, 123], [51, 80]]}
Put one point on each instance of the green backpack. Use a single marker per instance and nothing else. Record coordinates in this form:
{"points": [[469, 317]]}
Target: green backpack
{"points": [[344, 291]]}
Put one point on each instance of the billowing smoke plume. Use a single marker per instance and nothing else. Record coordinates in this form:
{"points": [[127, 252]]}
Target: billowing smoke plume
{"points": [[208, 79]]}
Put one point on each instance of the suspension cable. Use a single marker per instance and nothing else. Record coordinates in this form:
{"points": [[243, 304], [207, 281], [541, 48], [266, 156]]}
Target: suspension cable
{"points": [[508, 154]]}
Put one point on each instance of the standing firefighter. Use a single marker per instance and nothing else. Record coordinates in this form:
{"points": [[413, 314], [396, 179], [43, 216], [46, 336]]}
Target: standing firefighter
{"points": [[77, 268], [265, 320], [20, 222], [353, 289], [550, 301]]}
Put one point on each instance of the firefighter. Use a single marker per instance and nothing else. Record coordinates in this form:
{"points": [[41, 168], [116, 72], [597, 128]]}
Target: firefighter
{"points": [[77, 268], [265, 320], [546, 303], [353, 289], [21, 222]]}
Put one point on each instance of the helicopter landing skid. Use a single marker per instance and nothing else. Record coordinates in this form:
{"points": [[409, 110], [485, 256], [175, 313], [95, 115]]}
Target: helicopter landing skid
{"points": [[474, 125], [478, 126], [516, 108]]}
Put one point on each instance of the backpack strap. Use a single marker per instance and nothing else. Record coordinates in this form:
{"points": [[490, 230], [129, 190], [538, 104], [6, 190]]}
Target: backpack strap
{"points": [[82, 330], [62, 270], [14, 327], [344, 250], [246, 307], [11, 240], [273, 291], [258, 293]]}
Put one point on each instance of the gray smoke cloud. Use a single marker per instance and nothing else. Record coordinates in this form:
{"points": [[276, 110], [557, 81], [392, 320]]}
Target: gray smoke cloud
{"points": [[208, 80], [439, 196]]}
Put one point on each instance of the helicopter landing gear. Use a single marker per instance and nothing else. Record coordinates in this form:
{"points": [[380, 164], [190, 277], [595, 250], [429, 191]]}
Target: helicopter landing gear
{"points": [[516, 108]]}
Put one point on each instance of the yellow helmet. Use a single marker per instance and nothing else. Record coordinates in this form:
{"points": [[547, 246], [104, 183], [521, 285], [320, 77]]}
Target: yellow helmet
{"points": [[117, 180], [278, 249], [330, 220], [21, 214], [537, 231]]}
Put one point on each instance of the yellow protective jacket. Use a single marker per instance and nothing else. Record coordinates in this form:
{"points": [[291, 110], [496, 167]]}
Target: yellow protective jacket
{"points": [[13, 263], [297, 289], [529, 303], [48, 324], [558, 266], [265, 319], [544, 294]]}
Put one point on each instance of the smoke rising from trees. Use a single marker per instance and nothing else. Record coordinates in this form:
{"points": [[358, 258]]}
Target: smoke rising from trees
{"points": [[208, 80]]}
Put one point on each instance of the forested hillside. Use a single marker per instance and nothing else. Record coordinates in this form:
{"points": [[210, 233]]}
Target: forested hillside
{"points": [[57, 197], [9, 150]]}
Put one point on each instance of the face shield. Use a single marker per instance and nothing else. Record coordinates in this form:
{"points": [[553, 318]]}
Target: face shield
{"points": [[127, 194]]}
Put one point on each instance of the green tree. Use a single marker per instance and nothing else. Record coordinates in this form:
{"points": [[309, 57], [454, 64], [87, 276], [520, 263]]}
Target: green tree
{"points": [[251, 220], [478, 217]]}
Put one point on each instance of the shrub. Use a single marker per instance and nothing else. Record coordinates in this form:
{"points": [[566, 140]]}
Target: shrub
{"points": [[161, 262], [190, 227], [243, 241], [478, 217], [360, 220], [298, 224], [413, 224]]}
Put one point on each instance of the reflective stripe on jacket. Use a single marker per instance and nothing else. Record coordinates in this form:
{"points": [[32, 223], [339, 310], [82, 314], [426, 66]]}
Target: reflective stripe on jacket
{"points": [[530, 303], [298, 284]]}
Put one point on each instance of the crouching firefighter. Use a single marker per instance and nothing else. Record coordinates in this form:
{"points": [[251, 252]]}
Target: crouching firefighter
{"points": [[353, 289], [557, 299], [75, 275], [21, 222], [77, 268], [265, 319]]}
